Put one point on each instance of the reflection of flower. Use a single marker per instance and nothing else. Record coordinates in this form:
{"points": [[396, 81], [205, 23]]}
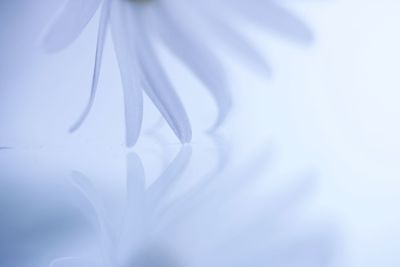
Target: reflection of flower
{"points": [[203, 226], [177, 25]]}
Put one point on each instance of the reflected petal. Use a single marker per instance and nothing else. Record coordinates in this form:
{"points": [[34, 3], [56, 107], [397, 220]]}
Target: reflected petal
{"points": [[88, 190], [133, 229], [164, 184]]}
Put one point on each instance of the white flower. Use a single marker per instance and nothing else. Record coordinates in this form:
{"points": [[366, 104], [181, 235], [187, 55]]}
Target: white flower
{"points": [[176, 24]]}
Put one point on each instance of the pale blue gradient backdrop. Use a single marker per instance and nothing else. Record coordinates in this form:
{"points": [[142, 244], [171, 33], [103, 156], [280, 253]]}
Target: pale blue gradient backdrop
{"points": [[330, 108]]}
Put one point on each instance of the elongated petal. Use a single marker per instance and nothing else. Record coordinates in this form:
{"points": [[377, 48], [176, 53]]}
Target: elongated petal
{"points": [[277, 18], [168, 103], [69, 23], [222, 188], [125, 39], [88, 190], [232, 182], [180, 206], [102, 32], [135, 219], [160, 91], [238, 43], [162, 186], [194, 52], [136, 185]]}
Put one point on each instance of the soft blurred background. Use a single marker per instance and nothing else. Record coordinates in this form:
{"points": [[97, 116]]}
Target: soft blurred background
{"points": [[328, 107]]}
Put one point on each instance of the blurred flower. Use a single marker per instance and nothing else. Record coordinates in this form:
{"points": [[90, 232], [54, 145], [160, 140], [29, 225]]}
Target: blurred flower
{"points": [[179, 27], [204, 226]]}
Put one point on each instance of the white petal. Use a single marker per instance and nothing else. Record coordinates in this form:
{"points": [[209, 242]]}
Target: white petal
{"points": [[275, 17], [135, 220], [231, 183], [125, 38], [88, 190], [219, 189], [195, 53], [159, 89], [163, 185], [238, 43], [136, 185], [161, 93], [69, 23], [102, 32]]}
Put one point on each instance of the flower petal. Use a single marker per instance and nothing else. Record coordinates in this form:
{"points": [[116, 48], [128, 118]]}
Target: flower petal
{"points": [[272, 15], [135, 220], [69, 23], [198, 57], [125, 39], [159, 89], [168, 103], [160, 188], [88, 190], [102, 33], [136, 184], [238, 43], [220, 189]]}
